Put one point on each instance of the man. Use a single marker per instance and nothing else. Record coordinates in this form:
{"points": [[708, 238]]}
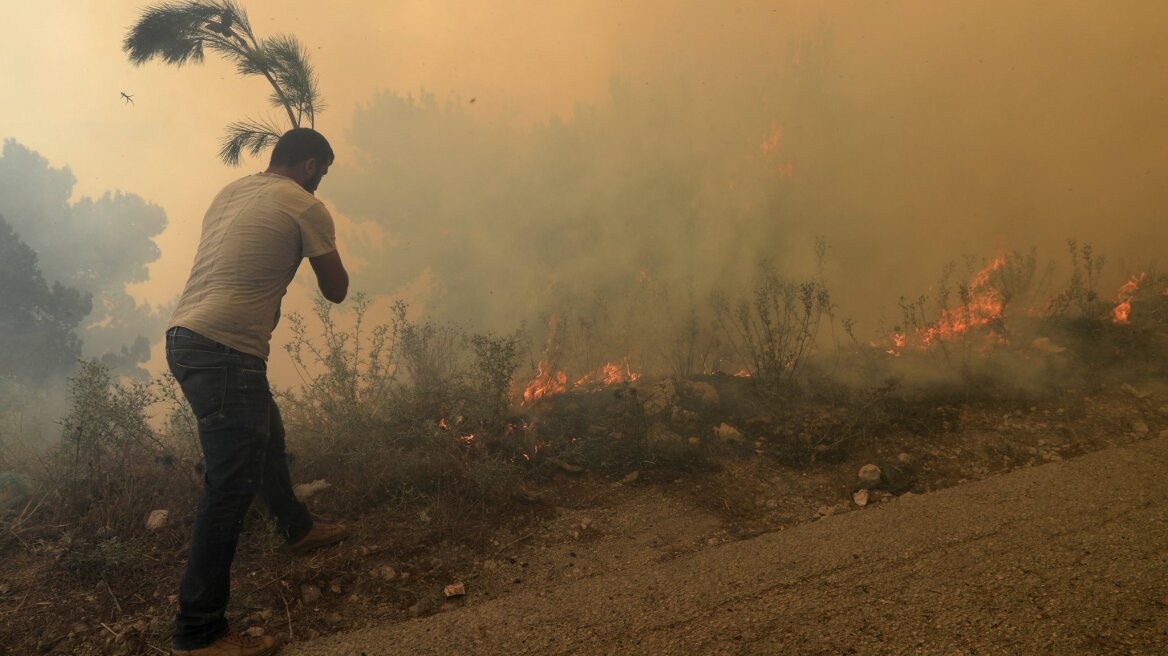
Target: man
{"points": [[255, 234]]}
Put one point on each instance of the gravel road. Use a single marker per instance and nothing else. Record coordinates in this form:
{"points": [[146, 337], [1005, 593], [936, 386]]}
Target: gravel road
{"points": [[1065, 558]]}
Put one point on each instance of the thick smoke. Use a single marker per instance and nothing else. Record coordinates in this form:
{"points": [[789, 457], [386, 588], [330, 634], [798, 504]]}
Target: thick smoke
{"points": [[981, 131], [95, 246]]}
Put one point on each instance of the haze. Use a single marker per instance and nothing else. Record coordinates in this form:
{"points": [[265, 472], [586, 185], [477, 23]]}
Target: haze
{"points": [[496, 159]]}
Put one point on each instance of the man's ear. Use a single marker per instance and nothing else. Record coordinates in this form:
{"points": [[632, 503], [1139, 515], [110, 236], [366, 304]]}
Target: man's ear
{"points": [[310, 166]]}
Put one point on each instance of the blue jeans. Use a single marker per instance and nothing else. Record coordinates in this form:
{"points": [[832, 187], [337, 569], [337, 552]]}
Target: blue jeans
{"points": [[243, 449]]}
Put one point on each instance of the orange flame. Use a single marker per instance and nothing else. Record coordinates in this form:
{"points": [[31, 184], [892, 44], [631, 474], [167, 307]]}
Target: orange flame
{"points": [[984, 304], [771, 144], [1121, 313], [609, 374], [545, 384]]}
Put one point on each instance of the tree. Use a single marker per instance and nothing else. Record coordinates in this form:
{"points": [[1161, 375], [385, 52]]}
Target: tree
{"points": [[98, 246], [177, 33], [38, 337]]}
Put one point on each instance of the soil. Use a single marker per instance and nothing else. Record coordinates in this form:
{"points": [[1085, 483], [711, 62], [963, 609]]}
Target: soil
{"points": [[570, 526]]}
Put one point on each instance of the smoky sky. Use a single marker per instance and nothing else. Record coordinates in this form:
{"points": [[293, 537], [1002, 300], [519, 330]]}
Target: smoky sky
{"points": [[986, 130], [612, 142]]}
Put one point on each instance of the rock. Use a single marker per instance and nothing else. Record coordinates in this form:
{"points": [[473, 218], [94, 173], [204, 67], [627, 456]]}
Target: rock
{"points": [[1139, 394], [680, 415], [694, 440], [254, 632], [305, 490], [309, 594], [828, 511], [860, 497], [760, 423], [660, 435], [631, 477], [904, 458], [1140, 428], [1044, 345], [705, 393], [660, 396], [454, 590], [335, 587], [157, 519], [333, 618], [385, 573], [727, 433], [869, 476]]}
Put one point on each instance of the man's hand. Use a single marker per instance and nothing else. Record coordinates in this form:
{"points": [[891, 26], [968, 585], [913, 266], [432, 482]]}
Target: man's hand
{"points": [[331, 276]]}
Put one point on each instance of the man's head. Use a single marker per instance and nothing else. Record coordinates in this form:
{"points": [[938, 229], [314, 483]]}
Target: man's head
{"points": [[304, 155]]}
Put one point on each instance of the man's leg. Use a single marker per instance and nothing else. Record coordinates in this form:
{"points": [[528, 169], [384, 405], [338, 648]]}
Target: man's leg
{"points": [[292, 518], [231, 405]]}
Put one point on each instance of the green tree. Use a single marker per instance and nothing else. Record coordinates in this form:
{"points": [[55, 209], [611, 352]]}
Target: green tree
{"points": [[178, 32], [38, 326]]}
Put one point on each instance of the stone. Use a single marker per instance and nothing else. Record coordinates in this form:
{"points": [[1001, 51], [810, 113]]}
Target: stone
{"points": [[706, 393], [333, 618], [660, 435], [335, 587], [1130, 389], [727, 433], [386, 573], [1140, 428], [254, 632], [157, 519], [869, 475], [305, 490], [660, 396], [309, 594], [694, 440], [860, 497]]}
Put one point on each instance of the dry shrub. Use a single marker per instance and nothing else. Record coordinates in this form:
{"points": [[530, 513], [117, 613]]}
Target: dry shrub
{"points": [[402, 415]]}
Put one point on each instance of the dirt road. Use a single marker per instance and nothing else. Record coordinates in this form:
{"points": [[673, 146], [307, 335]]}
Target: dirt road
{"points": [[1065, 558]]}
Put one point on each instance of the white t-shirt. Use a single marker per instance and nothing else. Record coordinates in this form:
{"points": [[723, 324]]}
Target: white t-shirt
{"points": [[255, 234]]}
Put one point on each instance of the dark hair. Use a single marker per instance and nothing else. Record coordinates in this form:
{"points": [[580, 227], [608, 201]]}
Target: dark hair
{"points": [[299, 144]]}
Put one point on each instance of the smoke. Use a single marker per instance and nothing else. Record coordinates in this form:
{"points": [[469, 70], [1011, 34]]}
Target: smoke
{"points": [[906, 136], [96, 246]]}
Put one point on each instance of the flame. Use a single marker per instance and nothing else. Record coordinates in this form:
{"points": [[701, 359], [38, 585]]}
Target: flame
{"points": [[442, 424], [1121, 313], [609, 374], [771, 144], [743, 374], [984, 305], [545, 384]]}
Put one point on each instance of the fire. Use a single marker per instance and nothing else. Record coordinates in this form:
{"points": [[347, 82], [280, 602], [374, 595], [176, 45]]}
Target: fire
{"points": [[1122, 311], [545, 384], [743, 373], [609, 374], [548, 384], [771, 144], [982, 304]]}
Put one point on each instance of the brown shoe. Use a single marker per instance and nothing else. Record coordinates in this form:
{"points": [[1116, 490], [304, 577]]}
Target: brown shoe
{"points": [[230, 645], [321, 535]]}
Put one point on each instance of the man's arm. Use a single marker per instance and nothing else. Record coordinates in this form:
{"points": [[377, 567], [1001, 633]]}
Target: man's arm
{"points": [[331, 276]]}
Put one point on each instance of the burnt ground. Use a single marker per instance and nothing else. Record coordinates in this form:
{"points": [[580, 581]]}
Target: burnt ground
{"points": [[586, 515]]}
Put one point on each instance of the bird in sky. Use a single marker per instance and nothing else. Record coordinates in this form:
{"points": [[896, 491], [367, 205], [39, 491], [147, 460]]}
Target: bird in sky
{"points": [[128, 98]]}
